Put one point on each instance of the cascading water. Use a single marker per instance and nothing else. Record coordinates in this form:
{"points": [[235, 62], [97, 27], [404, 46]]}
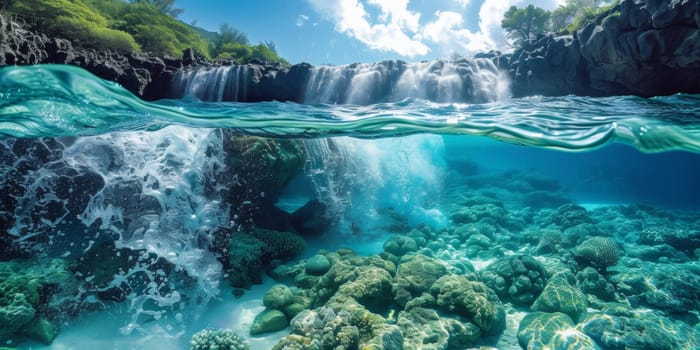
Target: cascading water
{"points": [[352, 175], [474, 80], [226, 83]]}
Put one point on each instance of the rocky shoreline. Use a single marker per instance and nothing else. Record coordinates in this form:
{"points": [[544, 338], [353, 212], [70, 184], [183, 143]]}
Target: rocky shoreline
{"points": [[644, 48]]}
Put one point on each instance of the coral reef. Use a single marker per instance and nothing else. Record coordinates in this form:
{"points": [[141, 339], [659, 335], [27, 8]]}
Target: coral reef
{"points": [[600, 252], [217, 340], [519, 279]]}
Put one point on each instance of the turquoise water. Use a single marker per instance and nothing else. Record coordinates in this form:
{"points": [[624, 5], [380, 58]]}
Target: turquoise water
{"points": [[54, 100], [145, 222]]}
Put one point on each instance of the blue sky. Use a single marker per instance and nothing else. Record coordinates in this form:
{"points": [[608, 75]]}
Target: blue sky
{"points": [[347, 31]]}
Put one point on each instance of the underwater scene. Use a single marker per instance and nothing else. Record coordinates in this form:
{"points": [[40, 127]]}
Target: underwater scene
{"points": [[163, 186], [192, 222]]}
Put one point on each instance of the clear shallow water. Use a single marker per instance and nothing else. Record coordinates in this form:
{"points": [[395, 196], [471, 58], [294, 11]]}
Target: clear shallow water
{"points": [[53, 101], [155, 180]]}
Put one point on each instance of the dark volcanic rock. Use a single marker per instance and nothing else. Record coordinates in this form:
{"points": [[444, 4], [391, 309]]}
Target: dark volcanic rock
{"points": [[644, 48], [147, 77]]}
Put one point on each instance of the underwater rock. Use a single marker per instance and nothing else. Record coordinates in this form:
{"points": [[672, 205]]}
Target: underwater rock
{"points": [[400, 245], [683, 239], [569, 215], [600, 252], [560, 295], [414, 276], [350, 327], [278, 296], [268, 321], [41, 330], [311, 219], [317, 265], [537, 329], [471, 300], [258, 250], [260, 168], [645, 330], [217, 340], [422, 329], [674, 288], [591, 282], [31, 292], [519, 279]]}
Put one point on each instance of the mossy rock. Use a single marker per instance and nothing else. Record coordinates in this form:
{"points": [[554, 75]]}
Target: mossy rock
{"points": [[472, 300], [647, 331], [560, 295], [519, 279], [269, 320], [400, 245], [278, 296], [317, 265], [415, 276], [41, 330]]}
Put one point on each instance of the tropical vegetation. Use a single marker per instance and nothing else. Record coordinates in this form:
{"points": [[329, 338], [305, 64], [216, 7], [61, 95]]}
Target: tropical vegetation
{"points": [[145, 26], [527, 23]]}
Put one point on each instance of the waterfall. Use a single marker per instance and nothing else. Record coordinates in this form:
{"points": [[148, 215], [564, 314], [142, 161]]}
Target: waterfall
{"points": [[226, 83], [474, 80], [370, 185]]}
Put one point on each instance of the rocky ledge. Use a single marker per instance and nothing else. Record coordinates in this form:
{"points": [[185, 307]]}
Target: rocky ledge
{"points": [[644, 48]]}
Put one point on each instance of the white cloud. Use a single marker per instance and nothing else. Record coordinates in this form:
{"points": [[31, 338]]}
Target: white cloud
{"points": [[447, 31], [394, 31], [301, 20], [397, 28]]}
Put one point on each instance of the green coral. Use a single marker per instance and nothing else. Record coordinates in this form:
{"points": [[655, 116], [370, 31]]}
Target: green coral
{"points": [[218, 340], [269, 320], [560, 295], [21, 285], [472, 300], [415, 276], [251, 253], [317, 265], [599, 251], [400, 245], [519, 278]]}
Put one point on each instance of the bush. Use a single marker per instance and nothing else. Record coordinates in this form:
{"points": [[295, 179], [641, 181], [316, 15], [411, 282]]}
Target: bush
{"points": [[74, 20]]}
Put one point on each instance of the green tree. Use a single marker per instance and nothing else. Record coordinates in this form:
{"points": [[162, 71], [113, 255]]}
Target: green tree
{"points": [[525, 23], [158, 33], [164, 6], [228, 34]]}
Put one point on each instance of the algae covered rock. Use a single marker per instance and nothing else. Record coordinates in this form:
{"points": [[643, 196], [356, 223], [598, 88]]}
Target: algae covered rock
{"points": [[218, 340], [317, 265], [269, 320], [400, 245], [519, 279], [253, 252], [472, 300], [560, 295], [415, 276], [278, 297], [647, 331]]}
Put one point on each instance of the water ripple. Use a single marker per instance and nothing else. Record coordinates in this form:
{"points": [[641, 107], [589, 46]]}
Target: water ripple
{"points": [[56, 100]]}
